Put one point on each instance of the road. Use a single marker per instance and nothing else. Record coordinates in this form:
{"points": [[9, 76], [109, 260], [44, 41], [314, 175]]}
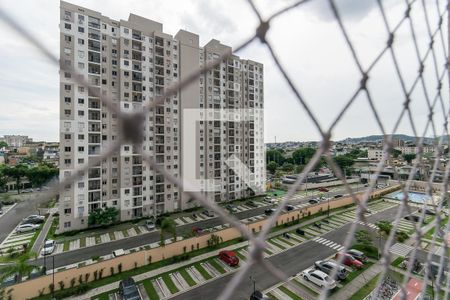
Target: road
{"points": [[27, 206], [291, 262], [82, 254]]}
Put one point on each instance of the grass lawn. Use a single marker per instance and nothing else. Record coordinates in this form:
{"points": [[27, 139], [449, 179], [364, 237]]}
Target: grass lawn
{"points": [[366, 289], [397, 261], [217, 266], [429, 234], [289, 293], [352, 275], [125, 233], [66, 246], [241, 257], [112, 237], [202, 271], [151, 292], [169, 283], [270, 296], [104, 296], [83, 242], [138, 231], [187, 277], [286, 241], [98, 239]]}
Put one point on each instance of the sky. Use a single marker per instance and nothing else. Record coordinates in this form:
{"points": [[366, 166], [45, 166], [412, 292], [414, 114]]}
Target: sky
{"points": [[307, 40]]}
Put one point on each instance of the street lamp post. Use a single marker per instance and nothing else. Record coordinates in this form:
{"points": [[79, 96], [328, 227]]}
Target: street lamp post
{"points": [[254, 284], [53, 276], [45, 262]]}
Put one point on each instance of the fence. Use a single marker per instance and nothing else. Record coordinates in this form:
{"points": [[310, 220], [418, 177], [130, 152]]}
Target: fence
{"points": [[427, 57]]}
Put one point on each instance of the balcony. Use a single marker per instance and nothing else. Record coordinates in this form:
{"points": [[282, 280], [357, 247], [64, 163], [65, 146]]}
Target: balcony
{"points": [[94, 115], [94, 45], [94, 150], [137, 170], [94, 173], [94, 196]]}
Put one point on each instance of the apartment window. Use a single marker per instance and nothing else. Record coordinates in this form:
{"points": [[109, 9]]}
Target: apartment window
{"points": [[80, 54], [80, 41], [81, 88], [127, 191], [81, 136], [67, 26], [126, 30], [81, 149], [67, 38], [80, 113], [67, 136], [67, 87], [67, 51], [67, 75], [81, 161], [66, 224], [67, 161], [67, 149], [67, 112], [81, 65], [80, 100], [80, 29], [126, 62], [67, 100], [67, 210]]}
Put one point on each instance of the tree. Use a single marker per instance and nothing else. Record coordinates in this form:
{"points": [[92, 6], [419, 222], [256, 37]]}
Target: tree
{"points": [[384, 227], [344, 162], [302, 156], [287, 167], [21, 268], [276, 155], [167, 226], [214, 241], [396, 153], [103, 216], [17, 172], [272, 167], [3, 144], [409, 157], [38, 175]]}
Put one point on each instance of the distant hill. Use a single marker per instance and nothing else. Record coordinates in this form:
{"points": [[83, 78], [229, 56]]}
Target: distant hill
{"points": [[376, 138]]}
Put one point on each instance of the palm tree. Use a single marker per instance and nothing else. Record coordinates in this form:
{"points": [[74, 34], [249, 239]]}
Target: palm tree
{"points": [[167, 226], [20, 267]]}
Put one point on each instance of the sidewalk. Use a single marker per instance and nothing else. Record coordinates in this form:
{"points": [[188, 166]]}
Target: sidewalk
{"points": [[153, 273], [40, 239], [357, 283]]}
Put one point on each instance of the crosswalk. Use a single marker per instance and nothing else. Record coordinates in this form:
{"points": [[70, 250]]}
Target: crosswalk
{"points": [[400, 249], [373, 226], [328, 243]]}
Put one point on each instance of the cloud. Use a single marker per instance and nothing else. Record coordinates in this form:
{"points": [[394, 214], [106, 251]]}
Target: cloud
{"points": [[353, 10]]}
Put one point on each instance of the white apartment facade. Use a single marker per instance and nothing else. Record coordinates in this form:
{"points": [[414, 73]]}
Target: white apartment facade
{"points": [[132, 61]]}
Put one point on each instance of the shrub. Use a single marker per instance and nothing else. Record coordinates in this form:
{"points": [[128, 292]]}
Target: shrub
{"points": [[61, 285], [95, 275], [401, 236], [369, 250], [119, 268], [72, 282], [111, 270]]}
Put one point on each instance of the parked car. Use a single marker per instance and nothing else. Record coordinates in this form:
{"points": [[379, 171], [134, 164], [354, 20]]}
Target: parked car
{"points": [[313, 201], [428, 212], [322, 189], [338, 196], [231, 208], [319, 278], [150, 225], [197, 230], [49, 247], [26, 228], [328, 266], [358, 255], [286, 235], [251, 203], [8, 202], [229, 257], [32, 221], [269, 211], [129, 290], [413, 218], [290, 207], [258, 295], [34, 217], [349, 260], [317, 224], [36, 272], [118, 252], [10, 280], [300, 231], [209, 213]]}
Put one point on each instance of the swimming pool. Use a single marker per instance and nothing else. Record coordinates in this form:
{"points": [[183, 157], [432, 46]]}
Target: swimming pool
{"points": [[412, 196]]}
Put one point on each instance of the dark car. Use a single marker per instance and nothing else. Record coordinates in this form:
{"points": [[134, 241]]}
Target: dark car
{"points": [[257, 295], [269, 211], [251, 203], [229, 257], [317, 224], [358, 255], [313, 201], [300, 231], [129, 290], [338, 196], [322, 189], [413, 218], [289, 207], [197, 230], [327, 267]]}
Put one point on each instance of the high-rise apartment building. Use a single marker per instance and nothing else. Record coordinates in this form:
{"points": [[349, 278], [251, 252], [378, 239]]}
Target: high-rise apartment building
{"points": [[132, 61]]}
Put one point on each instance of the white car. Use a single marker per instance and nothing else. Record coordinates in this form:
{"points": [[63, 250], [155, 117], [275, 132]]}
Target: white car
{"points": [[26, 227], [150, 225], [319, 278], [49, 247], [30, 217]]}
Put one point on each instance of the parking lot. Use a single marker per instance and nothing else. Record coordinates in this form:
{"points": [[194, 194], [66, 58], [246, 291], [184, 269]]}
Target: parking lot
{"points": [[17, 242]]}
